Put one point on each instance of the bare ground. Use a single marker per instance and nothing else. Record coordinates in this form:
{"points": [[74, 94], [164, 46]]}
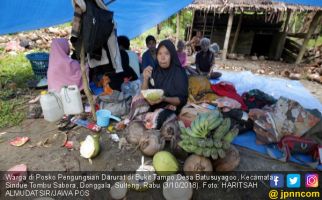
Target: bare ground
{"points": [[111, 158]]}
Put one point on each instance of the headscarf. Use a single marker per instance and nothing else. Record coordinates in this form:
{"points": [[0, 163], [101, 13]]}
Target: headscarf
{"points": [[62, 70], [173, 80], [205, 44]]}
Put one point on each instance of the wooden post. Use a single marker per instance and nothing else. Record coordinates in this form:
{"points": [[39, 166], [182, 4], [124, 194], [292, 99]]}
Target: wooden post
{"points": [[288, 17], [237, 33], [212, 27], [178, 27], [85, 82], [193, 18], [205, 15], [313, 25], [230, 23]]}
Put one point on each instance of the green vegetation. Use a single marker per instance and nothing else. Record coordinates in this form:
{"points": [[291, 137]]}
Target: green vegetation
{"points": [[317, 42], [168, 28], [16, 70]]}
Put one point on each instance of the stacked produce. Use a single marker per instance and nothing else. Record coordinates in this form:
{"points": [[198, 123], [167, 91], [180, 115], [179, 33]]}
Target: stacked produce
{"points": [[210, 135]]}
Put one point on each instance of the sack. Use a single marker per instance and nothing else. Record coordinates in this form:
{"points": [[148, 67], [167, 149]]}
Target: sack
{"points": [[199, 85], [117, 103], [97, 27]]}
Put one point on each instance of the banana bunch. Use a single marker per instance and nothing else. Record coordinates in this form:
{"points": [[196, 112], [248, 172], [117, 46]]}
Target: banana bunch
{"points": [[215, 145], [203, 124]]}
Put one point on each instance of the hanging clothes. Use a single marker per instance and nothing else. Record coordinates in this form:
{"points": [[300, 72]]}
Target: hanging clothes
{"points": [[97, 57]]}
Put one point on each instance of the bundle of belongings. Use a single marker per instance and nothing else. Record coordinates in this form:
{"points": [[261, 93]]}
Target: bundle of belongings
{"points": [[293, 128]]}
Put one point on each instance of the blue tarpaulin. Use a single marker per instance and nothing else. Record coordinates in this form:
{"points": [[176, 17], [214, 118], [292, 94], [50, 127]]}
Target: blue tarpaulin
{"points": [[133, 17]]}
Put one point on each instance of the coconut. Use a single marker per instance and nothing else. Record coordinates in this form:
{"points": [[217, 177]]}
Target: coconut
{"points": [[118, 190], [152, 94], [90, 147], [165, 163], [197, 165], [177, 187], [150, 143], [229, 163], [134, 132], [170, 130]]}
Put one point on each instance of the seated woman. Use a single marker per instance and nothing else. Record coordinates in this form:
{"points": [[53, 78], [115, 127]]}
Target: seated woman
{"points": [[204, 58], [62, 70], [181, 54], [169, 76], [116, 79]]}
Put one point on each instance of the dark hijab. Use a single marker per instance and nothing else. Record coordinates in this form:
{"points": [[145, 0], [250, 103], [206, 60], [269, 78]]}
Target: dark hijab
{"points": [[173, 80]]}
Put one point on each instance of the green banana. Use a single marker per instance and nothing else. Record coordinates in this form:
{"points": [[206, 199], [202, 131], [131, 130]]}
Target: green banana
{"points": [[214, 154], [184, 147], [221, 153], [217, 144], [225, 145], [229, 137], [206, 152], [199, 151], [182, 128], [202, 143], [222, 129], [209, 143], [193, 141], [190, 132], [215, 123]]}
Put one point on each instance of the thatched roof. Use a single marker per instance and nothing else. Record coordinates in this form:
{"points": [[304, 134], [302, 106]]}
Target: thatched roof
{"points": [[248, 5]]}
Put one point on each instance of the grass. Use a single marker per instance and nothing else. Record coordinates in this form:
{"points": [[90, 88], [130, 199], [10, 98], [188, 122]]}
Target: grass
{"points": [[13, 69], [314, 42]]}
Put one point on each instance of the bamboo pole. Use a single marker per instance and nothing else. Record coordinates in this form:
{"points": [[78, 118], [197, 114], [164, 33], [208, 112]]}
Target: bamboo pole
{"points": [[237, 33], [212, 27], [178, 27], [193, 18], [288, 17], [85, 82], [313, 26], [230, 23], [204, 23]]}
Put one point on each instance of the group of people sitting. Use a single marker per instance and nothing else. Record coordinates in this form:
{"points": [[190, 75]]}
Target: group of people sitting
{"points": [[162, 67]]}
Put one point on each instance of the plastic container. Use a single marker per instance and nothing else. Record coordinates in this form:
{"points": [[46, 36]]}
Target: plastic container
{"points": [[51, 106], [126, 87], [103, 117], [72, 100], [39, 64]]}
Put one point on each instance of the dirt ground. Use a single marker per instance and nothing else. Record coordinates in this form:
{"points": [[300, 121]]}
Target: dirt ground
{"points": [[55, 157]]}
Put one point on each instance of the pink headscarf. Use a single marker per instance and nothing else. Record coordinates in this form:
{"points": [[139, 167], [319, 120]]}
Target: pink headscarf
{"points": [[62, 69]]}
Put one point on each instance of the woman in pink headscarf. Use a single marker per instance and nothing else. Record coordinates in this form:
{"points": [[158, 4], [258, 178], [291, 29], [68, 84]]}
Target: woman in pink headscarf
{"points": [[62, 69]]}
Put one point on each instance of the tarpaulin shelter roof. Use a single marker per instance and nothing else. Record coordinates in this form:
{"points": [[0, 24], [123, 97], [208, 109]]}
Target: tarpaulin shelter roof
{"points": [[133, 17]]}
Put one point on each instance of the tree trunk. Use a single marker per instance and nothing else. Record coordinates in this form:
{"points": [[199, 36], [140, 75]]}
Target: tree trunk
{"points": [[230, 23], [85, 82], [313, 26], [178, 27]]}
